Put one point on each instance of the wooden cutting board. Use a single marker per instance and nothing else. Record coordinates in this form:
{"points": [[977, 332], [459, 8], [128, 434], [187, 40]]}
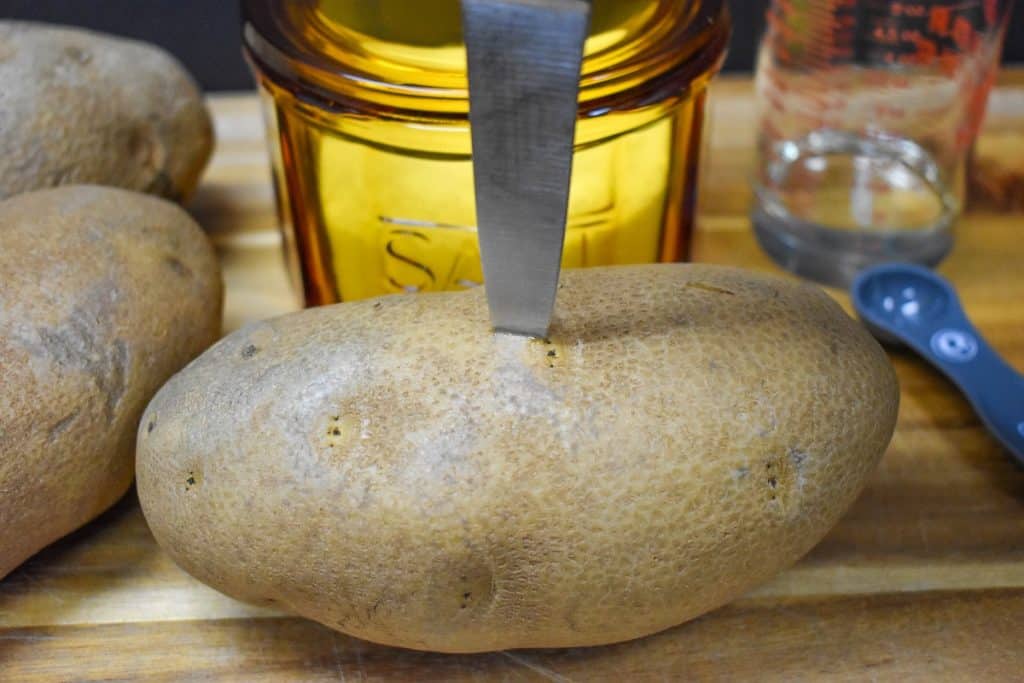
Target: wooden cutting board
{"points": [[922, 580]]}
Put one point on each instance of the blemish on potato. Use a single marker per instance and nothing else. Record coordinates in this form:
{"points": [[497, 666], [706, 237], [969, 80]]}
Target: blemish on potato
{"points": [[553, 351], [705, 287], [474, 589], [177, 266], [798, 457], [143, 144], [783, 478], [77, 54], [61, 425], [340, 430], [192, 479], [74, 344]]}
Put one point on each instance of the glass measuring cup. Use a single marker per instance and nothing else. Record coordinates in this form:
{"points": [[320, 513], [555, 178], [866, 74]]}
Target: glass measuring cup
{"points": [[867, 111]]}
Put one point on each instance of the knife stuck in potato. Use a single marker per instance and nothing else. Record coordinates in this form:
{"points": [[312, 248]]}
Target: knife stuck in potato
{"points": [[524, 59]]}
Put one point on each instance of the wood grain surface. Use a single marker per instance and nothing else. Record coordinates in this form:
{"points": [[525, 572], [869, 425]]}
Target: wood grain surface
{"points": [[923, 579]]}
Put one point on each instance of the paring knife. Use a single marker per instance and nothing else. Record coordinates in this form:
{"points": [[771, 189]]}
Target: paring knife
{"points": [[524, 59]]}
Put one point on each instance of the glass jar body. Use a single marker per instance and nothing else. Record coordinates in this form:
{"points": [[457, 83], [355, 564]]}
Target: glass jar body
{"points": [[374, 172]]}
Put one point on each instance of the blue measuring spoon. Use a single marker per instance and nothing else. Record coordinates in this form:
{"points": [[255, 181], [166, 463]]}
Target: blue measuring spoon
{"points": [[910, 304]]}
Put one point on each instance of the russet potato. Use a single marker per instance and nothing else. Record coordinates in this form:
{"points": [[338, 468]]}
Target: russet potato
{"points": [[83, 107], [104, 294], [395, 470]]}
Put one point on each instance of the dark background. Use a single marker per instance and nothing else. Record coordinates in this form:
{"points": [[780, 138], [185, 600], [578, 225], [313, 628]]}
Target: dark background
{"points": [[204, 34]]}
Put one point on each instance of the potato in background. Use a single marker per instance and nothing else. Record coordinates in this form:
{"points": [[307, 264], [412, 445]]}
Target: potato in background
{"points": [[104, 294]]}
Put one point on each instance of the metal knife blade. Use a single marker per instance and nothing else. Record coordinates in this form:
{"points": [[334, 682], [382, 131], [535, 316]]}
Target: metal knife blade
{"points": [[524, 59]]}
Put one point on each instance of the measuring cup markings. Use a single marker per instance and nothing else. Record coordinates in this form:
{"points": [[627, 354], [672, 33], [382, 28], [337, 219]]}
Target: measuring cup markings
{"points": [[867, 110]]}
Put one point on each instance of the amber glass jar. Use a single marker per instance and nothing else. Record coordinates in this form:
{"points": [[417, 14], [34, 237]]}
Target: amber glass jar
{"points": [[367, 108]]}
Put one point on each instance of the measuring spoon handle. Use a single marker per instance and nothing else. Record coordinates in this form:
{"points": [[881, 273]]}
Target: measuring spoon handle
{"points": [[993, 387]]}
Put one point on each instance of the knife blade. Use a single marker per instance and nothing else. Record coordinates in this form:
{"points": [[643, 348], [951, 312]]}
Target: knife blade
{"points": [[524, 59]]}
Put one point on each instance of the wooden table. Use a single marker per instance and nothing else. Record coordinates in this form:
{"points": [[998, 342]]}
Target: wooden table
{"points": [[922, 580]]}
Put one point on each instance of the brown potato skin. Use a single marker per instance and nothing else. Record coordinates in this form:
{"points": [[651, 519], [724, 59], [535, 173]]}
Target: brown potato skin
{"points": [[81, 107], [104, 294], [396, 471]]}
